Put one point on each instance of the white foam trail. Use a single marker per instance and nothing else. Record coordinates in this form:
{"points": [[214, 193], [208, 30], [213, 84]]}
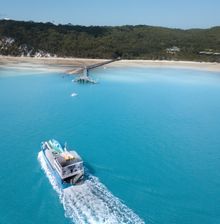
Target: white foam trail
{"points": [[91, 202], [51, 178]]}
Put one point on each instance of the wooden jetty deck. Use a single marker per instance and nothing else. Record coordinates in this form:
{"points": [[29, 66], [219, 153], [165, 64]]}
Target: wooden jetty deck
{"points": [[81, 69], [101, 64]]}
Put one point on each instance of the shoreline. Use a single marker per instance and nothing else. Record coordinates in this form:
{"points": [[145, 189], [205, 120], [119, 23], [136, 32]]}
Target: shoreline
{"points": [[66, 65], [204, 66], [72, 65]]}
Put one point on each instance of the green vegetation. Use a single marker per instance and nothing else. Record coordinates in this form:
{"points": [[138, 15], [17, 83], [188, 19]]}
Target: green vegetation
{"points": [[127, 42]]}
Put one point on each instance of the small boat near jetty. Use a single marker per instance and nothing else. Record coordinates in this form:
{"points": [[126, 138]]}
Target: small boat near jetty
{"points": [[66, 166], [74, 94]]}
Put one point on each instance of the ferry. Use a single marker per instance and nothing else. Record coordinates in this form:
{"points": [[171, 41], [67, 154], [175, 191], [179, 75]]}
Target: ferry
{"points": [[66, 166]]}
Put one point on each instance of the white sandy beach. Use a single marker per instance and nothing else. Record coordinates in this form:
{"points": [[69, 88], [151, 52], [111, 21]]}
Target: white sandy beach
{"points": [[207, 66], [72, 64], [63, 64]]}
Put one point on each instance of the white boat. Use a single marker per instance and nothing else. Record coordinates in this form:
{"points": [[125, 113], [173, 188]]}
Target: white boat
{"points": [[74, 94], [66, 166]]}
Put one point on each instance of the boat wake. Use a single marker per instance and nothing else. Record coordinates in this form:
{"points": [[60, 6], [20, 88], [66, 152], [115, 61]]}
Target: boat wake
{"points": [[91, 202]]}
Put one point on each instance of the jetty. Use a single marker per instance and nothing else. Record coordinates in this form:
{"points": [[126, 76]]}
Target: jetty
{"points": [[101, 64], [84, 71], [84, 78]]}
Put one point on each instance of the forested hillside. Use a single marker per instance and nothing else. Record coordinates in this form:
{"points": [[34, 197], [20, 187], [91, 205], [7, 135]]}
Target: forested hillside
{"points": [[128, 42]]}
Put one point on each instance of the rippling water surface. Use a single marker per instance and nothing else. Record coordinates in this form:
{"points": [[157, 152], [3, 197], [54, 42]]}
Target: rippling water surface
{"points": [[149, 138]]}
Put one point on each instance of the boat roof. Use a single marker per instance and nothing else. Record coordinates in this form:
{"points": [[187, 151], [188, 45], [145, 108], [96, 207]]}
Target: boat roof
{"points": [[75, 158]]}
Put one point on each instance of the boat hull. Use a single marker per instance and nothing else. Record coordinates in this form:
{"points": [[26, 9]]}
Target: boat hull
{"points": [[59, 181]]}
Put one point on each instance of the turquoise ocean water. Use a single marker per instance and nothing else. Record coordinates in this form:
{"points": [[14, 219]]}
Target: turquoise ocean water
{"points": [[150, 136]]}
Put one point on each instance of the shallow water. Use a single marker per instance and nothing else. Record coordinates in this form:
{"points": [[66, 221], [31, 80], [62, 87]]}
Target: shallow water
{"points": [[151, 136]]}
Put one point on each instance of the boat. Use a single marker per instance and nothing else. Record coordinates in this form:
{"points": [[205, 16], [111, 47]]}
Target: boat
{"points": [[66, 166], [73, 94]]}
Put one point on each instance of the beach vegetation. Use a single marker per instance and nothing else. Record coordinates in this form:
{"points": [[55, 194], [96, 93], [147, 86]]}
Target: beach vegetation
{"points": [[126, 42]]}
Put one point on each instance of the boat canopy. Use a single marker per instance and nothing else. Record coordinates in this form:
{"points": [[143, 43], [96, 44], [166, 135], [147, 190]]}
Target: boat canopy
{"points": [[55, 145]]}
